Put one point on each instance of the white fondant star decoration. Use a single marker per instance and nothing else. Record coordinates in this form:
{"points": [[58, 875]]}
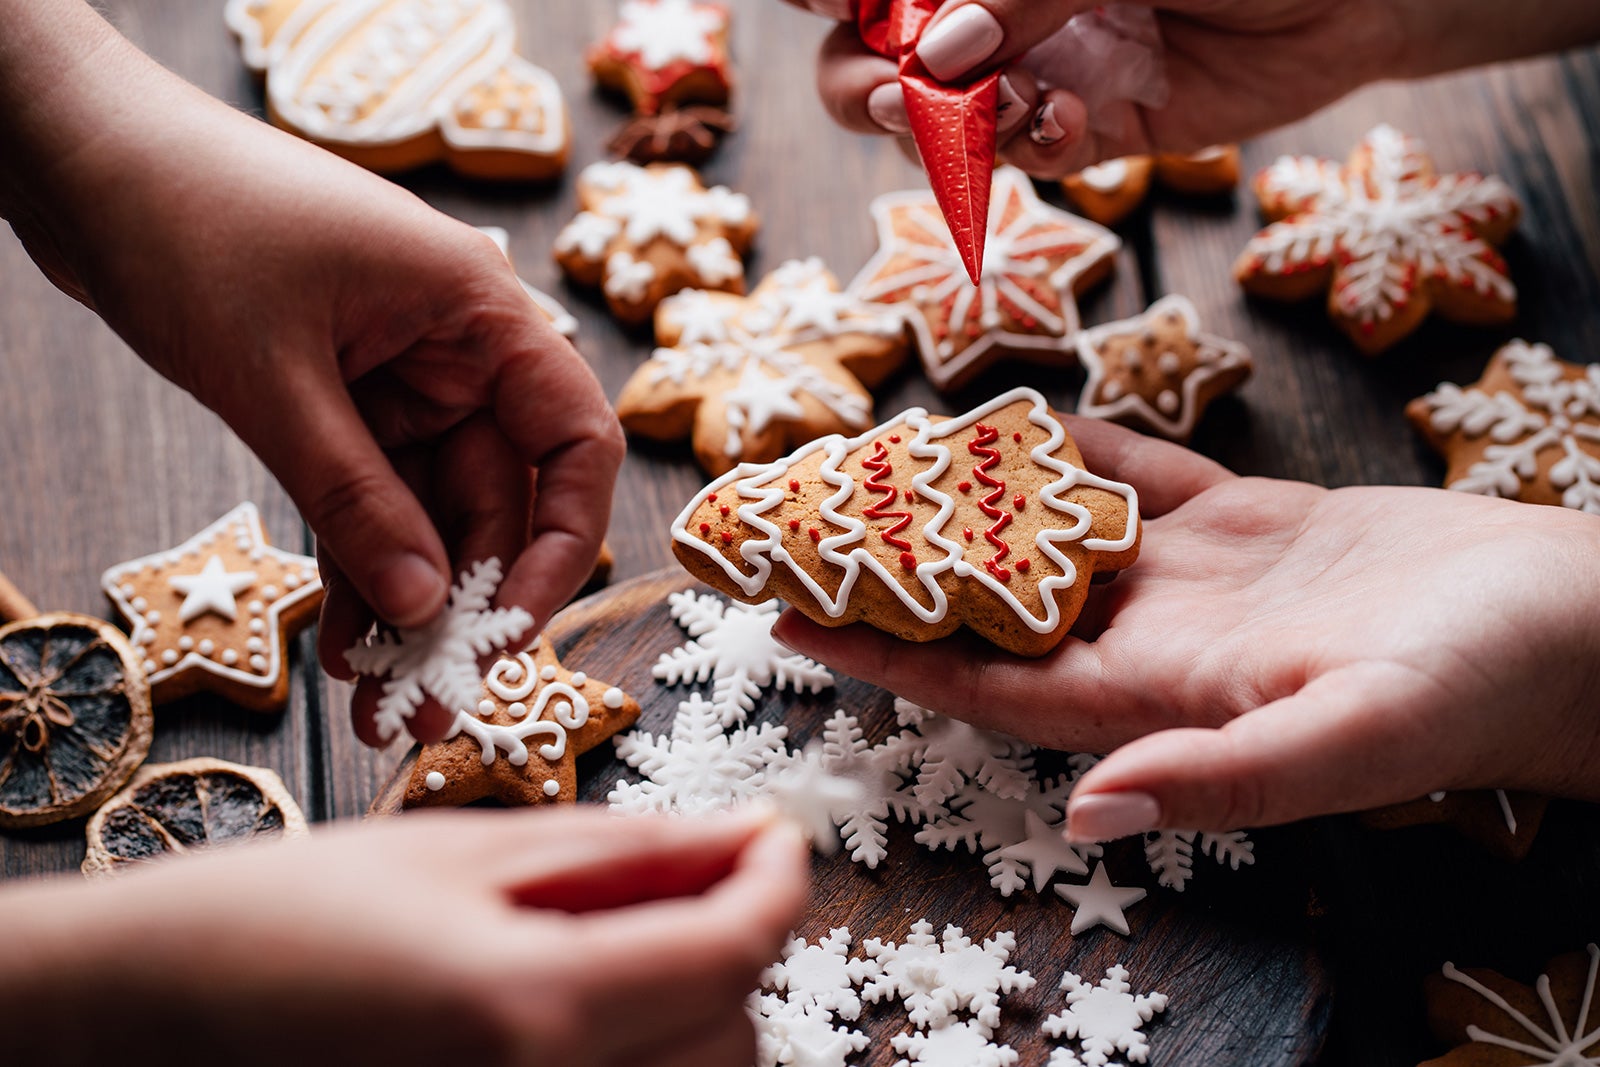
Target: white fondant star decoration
{"points": [[1100, 903]]}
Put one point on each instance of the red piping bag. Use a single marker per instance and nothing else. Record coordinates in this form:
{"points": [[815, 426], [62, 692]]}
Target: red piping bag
{"points": [[953, 125]]}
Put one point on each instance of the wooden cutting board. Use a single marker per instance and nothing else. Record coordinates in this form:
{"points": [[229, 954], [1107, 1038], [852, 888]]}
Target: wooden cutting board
{"points": [[1234, 952]]}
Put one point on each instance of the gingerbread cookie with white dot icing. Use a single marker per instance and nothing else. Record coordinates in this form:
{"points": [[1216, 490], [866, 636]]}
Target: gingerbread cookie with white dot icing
{"points": [[645, 233], [1158, 372], [520, 744], [216, 612], [395, 84], [1109, 192], [666, 53]]}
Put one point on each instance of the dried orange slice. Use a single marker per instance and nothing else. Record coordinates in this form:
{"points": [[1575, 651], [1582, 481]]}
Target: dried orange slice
{"points": [[173, 808], [74, 717]]}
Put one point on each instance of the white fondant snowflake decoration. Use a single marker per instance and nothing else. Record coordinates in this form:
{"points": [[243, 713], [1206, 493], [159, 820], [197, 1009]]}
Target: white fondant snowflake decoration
{"points": [[1105, 1019], [879, 770], [936, 977], [805, 788], [1559, 1046], [789, 1034], [959, 1044], [440, 660], [700, 767], [1170, 853], [991, 826], [950, 753], [822, 974], [732, 647]]}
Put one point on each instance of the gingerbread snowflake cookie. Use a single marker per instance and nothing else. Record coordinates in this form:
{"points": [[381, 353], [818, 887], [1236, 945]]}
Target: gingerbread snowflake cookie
{"points": [[750, 377], [665, 53], [921, 525], [1111, 191], [1386, 236], [1158, 372], [395, 84], [520, 743], [1037, 260], [1493, 1021], [645, 233], [216, 612], [1528, 430]]}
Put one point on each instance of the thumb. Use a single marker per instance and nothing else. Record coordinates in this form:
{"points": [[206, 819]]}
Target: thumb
{"points": [[312, 438], [980, 34], [1347, 741]]}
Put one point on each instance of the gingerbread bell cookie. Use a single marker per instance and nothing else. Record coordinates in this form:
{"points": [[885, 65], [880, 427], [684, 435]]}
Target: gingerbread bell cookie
{"points": [[666, 53], [1528, 430], [1492, 1021], [749, 378], [216, 613], [1386, 236], [921, 525], [395, 84], [519, 744], [1111, 191], [1037, 260], [645, 233], [1158, 372]]}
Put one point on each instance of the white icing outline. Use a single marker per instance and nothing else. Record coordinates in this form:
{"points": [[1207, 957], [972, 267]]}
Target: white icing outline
{"points": [[1107, 177], [1562, 1046], [761, 553]]}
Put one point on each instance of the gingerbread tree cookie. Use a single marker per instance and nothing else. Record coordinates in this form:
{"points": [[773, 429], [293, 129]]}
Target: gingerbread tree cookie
{"points": [[521, 742], [217, 611], [395, 84], [1111, 191], [1495, 1022], [665, 53], [1528, 430], [1158, 372], [647, 232], [753, 377], [921, 525], [1386, 236], [1037, 259]]}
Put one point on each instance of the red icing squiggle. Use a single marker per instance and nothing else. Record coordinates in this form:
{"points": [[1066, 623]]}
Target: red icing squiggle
{"points": [[878, 464], [980, 446]]}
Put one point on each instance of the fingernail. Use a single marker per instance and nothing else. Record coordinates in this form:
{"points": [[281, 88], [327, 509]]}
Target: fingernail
{"points": [[408, 591], [958, 43], [886, 105], [1109, 816], [1012, 107], [833, 9], [1046, 130]]}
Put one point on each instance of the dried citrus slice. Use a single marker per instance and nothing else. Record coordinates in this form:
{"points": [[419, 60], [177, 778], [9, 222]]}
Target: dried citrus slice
{"points": [[172, 808], [74, 717]]}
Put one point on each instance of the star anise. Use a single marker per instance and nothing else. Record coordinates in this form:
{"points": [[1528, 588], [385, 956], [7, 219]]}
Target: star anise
{"points": [[681, 135]]}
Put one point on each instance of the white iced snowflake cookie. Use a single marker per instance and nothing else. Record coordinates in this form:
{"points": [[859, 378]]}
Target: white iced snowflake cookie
{"points": [[1391, 237], [394, 84], [440, 660], [666, 53]]}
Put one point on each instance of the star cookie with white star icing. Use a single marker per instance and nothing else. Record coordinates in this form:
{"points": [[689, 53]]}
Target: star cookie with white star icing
{"points": [[666, 53], [749, 378], [644, 233], [1158, 372], [520, 744], [216, 612], [1037, 260], [395, 84]]}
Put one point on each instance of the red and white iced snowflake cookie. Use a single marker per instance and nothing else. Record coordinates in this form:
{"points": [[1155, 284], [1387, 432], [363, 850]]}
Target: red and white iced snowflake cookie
{"points": [[1386, 236], [920, 526], [666, 53], [1037, 260]]}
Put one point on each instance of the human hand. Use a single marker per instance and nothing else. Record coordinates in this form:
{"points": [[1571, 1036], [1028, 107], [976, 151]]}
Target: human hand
{"points": [[1281, 651], [381, 358], [568, 936]]}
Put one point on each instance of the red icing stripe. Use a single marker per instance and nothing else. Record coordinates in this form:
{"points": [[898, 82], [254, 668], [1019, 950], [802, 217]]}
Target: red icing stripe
{"points": [[878, 464], [979, 446]]}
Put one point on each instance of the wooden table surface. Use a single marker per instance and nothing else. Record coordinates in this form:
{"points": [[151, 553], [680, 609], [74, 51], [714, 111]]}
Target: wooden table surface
{"points": [[104, 461]]}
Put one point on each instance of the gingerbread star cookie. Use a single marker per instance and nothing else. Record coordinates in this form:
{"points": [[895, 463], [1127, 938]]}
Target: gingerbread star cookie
{"points": [[1158, 372], [921, 525], [1386, 236], [395, 84], [1111, 191], [217, 611], [751, 377], [521, 742], [1528, 430], [1037, 260], [1493, 1021], [665, 53], [645, 233]]}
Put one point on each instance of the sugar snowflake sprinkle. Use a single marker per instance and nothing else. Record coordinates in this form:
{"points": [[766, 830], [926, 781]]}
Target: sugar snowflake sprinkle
{"points": [[1105, 1018], [699, 767]]}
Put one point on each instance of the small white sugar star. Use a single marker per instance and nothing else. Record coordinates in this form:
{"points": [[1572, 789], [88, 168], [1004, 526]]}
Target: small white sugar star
{"points": [[1100, 903], [213, 589], [1045, 851]]}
